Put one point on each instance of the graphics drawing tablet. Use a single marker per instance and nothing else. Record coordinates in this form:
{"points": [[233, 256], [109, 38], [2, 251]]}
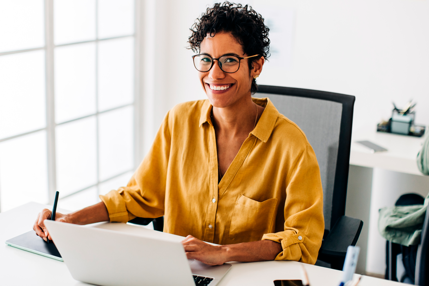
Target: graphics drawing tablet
{"points": [[30, 242]]}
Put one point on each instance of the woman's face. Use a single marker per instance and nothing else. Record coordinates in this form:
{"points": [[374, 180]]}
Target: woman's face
{"points": [[227, 89]]}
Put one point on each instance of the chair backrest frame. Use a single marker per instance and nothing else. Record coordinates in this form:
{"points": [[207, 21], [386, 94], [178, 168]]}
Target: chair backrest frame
{"points": [[345, 134]]}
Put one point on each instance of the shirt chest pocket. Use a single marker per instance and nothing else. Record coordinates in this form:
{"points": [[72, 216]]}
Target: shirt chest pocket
{"points": [[251, 219]]}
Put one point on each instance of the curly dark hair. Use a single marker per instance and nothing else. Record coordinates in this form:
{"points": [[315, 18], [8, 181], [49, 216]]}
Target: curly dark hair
{"points": [[244, 23]]}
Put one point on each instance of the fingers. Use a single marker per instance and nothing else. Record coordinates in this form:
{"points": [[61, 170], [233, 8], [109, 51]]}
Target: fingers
{"points": [[200, 257], [39, 225], [193, 255], [189, 255], [199, 250], [188, 238], [191, 248], [192, 240], [191, 243], [45, 214], [38, 230]]}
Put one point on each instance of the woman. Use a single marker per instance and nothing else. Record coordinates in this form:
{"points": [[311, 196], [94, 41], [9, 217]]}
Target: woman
{"points": [[229, 170]]}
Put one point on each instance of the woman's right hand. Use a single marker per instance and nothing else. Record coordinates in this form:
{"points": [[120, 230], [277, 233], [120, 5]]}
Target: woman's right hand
{"points": [[91, 214], [39, 226]]}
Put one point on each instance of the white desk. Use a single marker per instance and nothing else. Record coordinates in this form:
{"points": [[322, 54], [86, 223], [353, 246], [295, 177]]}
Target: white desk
{"points": [[18, 267], [400, 157], [377, 180]]}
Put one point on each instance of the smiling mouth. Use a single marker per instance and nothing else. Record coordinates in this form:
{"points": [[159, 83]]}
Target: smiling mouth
{"points": [[219, 86]]}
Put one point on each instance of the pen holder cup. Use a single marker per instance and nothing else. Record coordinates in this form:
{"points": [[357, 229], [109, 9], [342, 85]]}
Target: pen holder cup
{"points": [[401, 124]]}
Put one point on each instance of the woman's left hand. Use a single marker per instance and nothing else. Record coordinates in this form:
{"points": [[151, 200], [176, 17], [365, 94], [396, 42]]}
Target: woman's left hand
{"points": [[204, 252]]}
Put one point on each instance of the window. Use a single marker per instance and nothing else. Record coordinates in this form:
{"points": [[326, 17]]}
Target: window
{"points": [[67, 100]]}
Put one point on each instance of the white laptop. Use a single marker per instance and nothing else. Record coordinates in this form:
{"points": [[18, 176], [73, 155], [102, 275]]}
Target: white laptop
{"points": [[121, 254]]}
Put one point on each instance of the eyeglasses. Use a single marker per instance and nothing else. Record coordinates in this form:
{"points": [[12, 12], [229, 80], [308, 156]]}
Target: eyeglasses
{"points": [[228, 63]]}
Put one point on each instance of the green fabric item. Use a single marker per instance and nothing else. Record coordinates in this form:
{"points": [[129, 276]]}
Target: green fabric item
{"points": [[402, 224], [423, 157]]}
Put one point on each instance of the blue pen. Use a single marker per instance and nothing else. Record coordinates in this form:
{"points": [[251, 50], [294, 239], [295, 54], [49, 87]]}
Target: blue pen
{"points": [[350, 263]]}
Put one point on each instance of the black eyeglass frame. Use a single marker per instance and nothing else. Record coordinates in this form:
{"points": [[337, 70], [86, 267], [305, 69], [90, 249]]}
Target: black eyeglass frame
{"points": [[220, 65]]}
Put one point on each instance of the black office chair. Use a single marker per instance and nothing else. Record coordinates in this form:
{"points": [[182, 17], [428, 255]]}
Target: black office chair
{"points": [[421, 274], [326, 119]]}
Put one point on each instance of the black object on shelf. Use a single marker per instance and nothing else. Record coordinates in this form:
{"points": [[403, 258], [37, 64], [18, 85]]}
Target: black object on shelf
{"points": [[415, 130], [402, 122]]}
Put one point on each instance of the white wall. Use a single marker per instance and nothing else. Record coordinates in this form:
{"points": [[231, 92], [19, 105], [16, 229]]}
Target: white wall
{"points": [[376, 50], [169, 76]]}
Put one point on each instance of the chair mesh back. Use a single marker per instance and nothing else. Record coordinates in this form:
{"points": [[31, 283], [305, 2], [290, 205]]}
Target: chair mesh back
{"points": [[320, 121]]}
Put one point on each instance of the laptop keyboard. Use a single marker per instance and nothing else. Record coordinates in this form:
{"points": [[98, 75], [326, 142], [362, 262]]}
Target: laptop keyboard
{"points": [[202, 281]]}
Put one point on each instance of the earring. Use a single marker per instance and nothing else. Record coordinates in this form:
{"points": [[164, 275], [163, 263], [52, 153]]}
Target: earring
{"points": [[256, 76]]}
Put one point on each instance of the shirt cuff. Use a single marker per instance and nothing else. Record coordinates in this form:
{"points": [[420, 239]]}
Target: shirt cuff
{"points": [[116, 206], [289, 240]]}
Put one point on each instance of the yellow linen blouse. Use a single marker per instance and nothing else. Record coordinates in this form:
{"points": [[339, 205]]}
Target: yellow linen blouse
{"points": [[272, 189]]}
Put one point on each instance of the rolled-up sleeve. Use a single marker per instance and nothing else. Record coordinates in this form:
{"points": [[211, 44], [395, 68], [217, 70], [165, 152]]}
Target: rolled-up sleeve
{"points": [[144, 195], [303, 211]]}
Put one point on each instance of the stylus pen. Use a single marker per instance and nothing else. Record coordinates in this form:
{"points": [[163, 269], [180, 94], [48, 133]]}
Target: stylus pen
{"points": [[54, 209]]}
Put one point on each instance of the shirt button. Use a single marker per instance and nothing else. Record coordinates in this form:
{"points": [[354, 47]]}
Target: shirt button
{"points": [[299, 237], [214, 200], [210, 226]]}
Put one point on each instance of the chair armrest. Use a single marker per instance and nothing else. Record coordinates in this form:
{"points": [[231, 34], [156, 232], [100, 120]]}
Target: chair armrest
{"points": [[344, 233], [141, 221], [158, 223]]}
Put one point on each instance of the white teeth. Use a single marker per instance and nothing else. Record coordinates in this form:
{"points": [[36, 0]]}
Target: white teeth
{"points": [[223, 87]]}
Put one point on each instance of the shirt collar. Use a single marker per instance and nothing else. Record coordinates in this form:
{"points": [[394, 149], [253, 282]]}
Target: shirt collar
{"points": [[268, 119], [266, 122]]}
